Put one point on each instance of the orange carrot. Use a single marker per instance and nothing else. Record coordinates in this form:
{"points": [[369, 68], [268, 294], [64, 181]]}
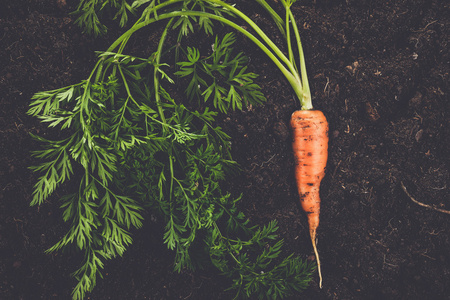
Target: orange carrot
{"points": [[310, 145]]}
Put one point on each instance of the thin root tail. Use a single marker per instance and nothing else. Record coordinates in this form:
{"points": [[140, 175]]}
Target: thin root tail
{"points": [[314, 244]]}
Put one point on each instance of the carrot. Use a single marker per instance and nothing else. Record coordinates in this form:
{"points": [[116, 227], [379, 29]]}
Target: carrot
{"points": [[310, 146]]}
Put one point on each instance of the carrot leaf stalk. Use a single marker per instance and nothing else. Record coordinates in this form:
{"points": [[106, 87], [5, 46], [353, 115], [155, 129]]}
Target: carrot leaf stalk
{"points": [[293, 69]]}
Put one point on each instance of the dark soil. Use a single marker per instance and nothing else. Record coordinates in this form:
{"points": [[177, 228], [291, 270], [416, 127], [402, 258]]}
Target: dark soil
{"points": [[380, 72]]}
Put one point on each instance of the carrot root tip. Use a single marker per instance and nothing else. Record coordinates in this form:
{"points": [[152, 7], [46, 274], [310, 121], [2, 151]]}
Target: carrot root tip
{"points": [[316, 252]]}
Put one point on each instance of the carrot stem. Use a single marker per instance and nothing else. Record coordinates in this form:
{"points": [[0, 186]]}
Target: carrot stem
{"points": [[286, 65]]}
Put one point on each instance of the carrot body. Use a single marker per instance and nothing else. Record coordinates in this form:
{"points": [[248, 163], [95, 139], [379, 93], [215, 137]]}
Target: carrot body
{"points": [[310, 146]]}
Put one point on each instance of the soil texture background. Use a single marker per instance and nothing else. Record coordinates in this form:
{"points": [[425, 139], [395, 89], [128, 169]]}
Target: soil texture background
{"points": [[379, 70]]}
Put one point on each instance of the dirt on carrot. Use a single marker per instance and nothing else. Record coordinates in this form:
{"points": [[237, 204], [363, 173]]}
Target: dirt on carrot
{"points": [[310, 148]]}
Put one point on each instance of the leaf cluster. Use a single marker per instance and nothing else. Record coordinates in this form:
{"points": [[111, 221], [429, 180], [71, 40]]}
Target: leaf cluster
{"points": [[89, 14], [222, 77], [138, 148]]}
